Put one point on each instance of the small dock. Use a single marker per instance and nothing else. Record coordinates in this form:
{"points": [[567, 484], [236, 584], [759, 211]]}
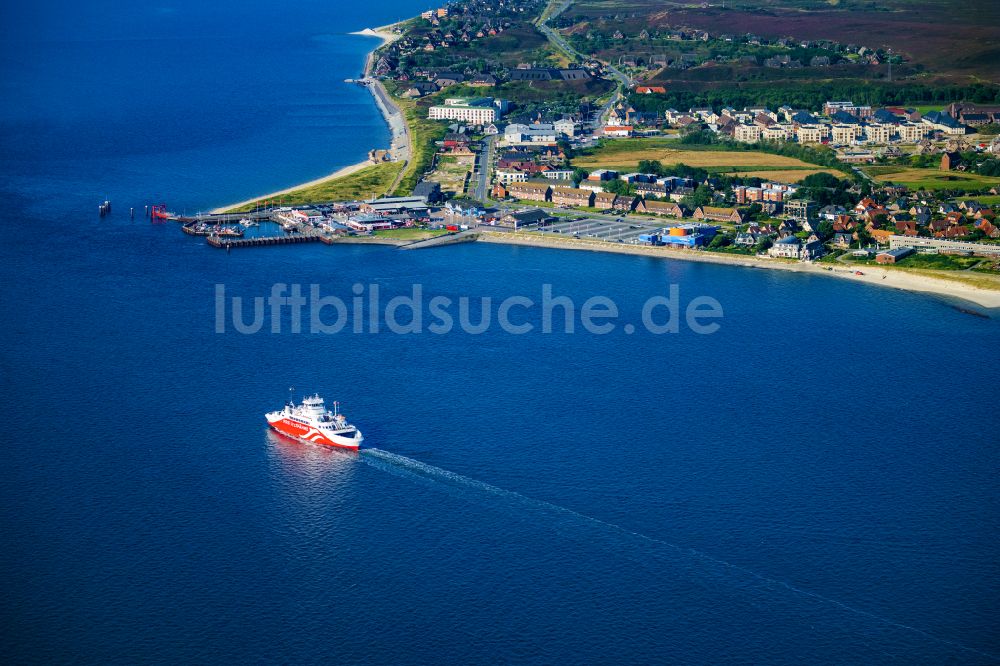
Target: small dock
{"points": [[225, 218], [260, 241]]}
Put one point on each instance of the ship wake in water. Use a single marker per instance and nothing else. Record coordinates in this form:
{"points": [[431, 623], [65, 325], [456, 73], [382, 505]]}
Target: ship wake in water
{"points": [[696, 562]]}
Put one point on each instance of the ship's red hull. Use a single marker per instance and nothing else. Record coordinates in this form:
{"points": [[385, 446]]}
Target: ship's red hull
{"points": [[308, 434]]}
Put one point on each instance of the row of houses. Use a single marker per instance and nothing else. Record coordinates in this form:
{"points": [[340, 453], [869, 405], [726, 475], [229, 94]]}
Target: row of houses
{"points": [[674, 188], [577, 197], [841, 123]]}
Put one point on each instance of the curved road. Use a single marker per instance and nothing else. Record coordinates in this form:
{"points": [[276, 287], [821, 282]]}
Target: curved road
{"points": [[560, 43]]}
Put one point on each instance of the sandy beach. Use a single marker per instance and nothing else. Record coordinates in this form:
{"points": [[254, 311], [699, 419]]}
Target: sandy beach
{"points": [[399, 148], [881, 277], [340, 173]]}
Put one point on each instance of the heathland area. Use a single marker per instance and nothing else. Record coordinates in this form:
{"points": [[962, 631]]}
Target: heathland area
{"points": [[940, 51]]}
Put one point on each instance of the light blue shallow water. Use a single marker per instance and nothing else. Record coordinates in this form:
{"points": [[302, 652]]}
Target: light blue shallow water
{"points": [[813, 483]]}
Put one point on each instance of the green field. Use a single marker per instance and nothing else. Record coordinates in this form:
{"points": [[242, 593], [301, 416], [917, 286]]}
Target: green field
{"points": [[409, 233], [988, 199], [931, 179], [363, 184], [625, 154]]}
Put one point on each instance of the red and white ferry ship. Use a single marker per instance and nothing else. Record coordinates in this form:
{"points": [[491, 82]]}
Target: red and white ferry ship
{"points": [[312, 422]]}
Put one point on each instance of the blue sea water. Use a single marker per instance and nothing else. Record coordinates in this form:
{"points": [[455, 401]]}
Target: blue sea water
{"points": [[813, 483]]}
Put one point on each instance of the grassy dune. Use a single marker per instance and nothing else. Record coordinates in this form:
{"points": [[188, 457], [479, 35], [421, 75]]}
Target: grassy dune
{"points": [[423, 134], [362, 184]]}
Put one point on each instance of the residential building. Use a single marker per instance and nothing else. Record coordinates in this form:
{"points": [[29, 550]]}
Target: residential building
{"points": [[718, 214], [845, 134], [811, 133], [943, 122], [945, 246], [786, 248], [748, 133], [566, 128], [878, 133], [620, 131], [543, 133], [664, 208], [801, 209], [911, 132], [776, 133], [474, 111], [892, 256], [508, 176], [572, 196], [604, 200], [531, 191]]}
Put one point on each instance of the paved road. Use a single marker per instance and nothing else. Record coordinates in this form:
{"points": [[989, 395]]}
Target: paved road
{"points": [[561, 44], [482, 173]]}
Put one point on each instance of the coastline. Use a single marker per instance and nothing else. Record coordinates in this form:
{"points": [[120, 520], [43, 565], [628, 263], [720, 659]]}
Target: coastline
{"points": [[340, 173], [399, 147], [400, 151], [895, 279]]}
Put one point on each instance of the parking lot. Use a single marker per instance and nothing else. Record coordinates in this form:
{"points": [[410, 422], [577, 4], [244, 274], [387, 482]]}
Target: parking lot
{"points": [[627, 231]]}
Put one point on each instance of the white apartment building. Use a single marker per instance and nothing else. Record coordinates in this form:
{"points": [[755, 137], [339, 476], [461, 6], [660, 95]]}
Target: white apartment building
{"points": [[911, 132], [508, 176], [845, 134], [474, 111], [776, 133], [811, 133], [748, 133]]}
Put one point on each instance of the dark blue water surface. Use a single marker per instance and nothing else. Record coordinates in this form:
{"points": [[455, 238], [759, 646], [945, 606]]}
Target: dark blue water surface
{"points": [[814, 483]]}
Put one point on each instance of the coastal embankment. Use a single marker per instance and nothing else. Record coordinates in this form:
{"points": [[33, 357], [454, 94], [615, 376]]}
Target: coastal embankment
{"points": [[948, 285], [399, 147]]}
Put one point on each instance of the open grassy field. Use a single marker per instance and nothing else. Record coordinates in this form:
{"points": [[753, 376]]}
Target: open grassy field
{"points": [[988, 200], [409, 233], [931, 179], [625, 154], [371, 180]]}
